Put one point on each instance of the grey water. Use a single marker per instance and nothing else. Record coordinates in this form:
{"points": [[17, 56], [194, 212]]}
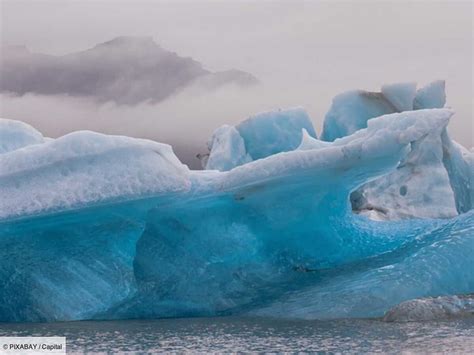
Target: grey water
{"points": [[239, 334]]}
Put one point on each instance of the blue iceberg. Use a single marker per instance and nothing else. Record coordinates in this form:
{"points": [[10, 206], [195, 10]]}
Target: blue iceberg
{"points": [[109, 227], [258, 137]]}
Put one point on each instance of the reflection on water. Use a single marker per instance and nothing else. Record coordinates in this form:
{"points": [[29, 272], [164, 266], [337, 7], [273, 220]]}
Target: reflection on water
{"points": [[256, 334]]}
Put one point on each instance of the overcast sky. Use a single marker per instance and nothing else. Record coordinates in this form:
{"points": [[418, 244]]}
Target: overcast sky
{"points": [[304, 53]]}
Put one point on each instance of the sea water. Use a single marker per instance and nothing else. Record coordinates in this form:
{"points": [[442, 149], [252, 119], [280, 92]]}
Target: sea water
{"points": [[240, 334]]}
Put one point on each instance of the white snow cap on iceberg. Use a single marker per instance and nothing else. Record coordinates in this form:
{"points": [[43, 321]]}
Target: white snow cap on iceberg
{"points": [[84, 168]]}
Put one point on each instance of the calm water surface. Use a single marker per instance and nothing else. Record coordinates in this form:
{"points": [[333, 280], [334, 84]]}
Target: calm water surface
{"points": [[229, 334]]}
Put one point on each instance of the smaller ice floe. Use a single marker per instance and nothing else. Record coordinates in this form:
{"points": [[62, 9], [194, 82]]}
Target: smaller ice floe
{"points": [[258, 137], [16, 134], [432, 308]]}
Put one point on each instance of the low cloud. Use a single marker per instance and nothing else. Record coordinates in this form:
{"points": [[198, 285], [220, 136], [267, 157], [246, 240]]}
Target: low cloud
{"points": [[125, 70]]}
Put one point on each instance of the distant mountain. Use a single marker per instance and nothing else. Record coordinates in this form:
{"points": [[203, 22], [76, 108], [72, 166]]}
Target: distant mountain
{"points": [[126, 70]]}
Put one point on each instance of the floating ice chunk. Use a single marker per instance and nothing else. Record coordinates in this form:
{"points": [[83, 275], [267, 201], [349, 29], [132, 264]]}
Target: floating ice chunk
{"points": [[432, 95], [227, 149], [263, 135], [17, 134], [84, 168], [350, 112], [401, 95], [431, 308]]}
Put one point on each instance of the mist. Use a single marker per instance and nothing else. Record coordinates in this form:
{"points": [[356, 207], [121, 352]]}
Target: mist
{"points": [[304, 54]]}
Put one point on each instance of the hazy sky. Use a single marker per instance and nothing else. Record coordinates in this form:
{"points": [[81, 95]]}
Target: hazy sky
{"points": [[304, 53]]}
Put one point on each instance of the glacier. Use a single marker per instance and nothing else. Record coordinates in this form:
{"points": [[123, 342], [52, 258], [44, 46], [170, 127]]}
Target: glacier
{"points": [[377, 222]]}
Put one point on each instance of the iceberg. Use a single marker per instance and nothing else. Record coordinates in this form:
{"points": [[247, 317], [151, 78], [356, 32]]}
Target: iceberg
{"points": [[110, 227], [258, 137], [351, 110]]}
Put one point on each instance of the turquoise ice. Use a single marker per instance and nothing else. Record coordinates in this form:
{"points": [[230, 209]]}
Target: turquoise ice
{"points": [[106, 227]]}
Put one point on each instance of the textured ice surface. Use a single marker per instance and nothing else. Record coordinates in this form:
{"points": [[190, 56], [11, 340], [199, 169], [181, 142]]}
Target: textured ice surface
{"points": [[84, 168], [431, 308], [419, 187], [437, 262], [424, 185], [262, 135], [106, 227], [16, 134]]}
